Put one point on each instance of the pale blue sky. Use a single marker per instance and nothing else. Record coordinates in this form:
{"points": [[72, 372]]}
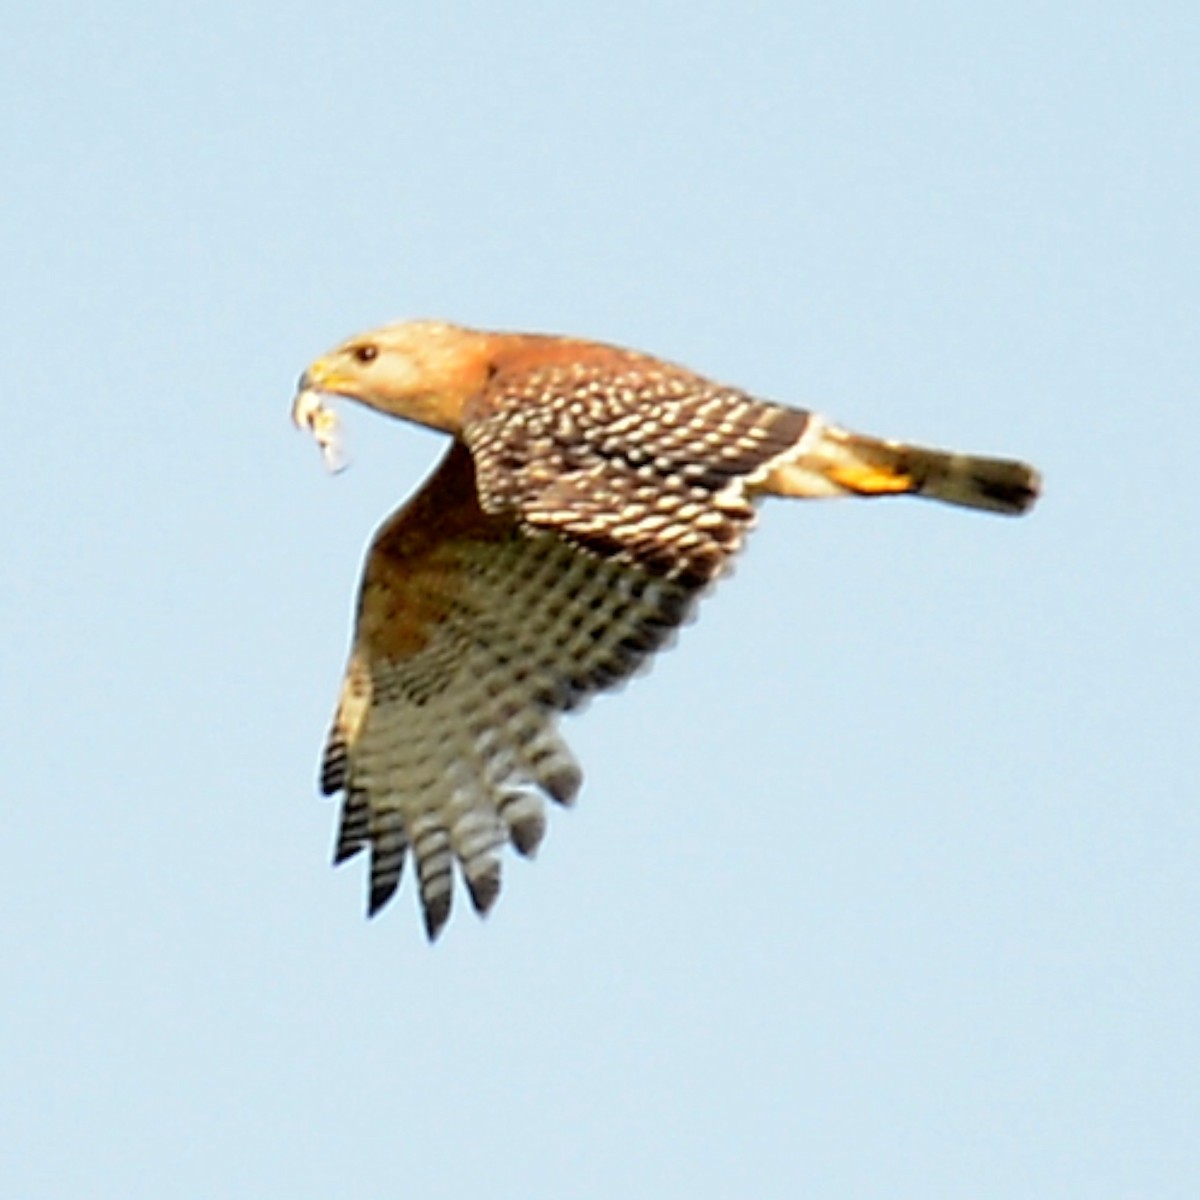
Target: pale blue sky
{"points": [[884, 883]]}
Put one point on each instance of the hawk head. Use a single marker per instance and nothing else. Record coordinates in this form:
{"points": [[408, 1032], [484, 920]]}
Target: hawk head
{"points": [[422, 371]]}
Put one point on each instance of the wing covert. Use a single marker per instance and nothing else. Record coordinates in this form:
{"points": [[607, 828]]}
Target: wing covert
{"points": [[629, 457]]}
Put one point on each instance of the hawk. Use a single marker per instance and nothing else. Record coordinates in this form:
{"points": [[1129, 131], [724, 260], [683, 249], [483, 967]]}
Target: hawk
{"points": [[590, 495]]}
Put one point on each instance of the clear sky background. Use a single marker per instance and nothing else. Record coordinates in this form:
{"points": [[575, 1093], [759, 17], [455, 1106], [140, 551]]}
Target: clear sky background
{"points": [[884, 883]]}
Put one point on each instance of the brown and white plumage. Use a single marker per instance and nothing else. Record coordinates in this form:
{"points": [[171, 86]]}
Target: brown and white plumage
{"points": [[589, 497]]}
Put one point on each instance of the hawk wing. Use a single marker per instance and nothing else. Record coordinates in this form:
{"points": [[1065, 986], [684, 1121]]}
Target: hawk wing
{"points": [[474, 631], [632, 458]]}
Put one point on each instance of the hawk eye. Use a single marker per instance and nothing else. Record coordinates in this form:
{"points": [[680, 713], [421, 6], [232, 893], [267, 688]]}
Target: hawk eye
{"points": [[366, 353]]}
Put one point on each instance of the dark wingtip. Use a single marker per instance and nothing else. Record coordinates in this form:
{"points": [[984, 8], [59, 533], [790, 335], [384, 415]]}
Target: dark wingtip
{"points": [[484, 886], [525, 819], [436, 914], [563, 783], [387, 867], [382, 890], [527, 833], [344, 851]]}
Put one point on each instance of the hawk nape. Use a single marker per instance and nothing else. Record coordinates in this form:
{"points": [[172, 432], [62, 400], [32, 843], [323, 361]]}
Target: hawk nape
{"points": [[589, 497]]}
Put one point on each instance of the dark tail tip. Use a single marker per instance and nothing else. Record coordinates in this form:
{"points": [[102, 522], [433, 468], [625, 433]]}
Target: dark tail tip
{"points": [[1007, 487]]}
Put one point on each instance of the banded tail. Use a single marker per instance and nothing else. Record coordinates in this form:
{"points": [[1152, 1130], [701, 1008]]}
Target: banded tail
{"points": [[828, 461]]}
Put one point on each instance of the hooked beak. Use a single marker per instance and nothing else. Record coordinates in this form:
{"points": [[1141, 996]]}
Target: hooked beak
{"points": [[317, 379]]}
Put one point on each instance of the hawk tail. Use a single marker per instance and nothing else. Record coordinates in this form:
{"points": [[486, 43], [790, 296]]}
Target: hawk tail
{"points": [[828, 461]]}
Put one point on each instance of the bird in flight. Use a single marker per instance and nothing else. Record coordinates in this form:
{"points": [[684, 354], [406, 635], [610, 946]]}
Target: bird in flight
{"points": [[590, 495]]}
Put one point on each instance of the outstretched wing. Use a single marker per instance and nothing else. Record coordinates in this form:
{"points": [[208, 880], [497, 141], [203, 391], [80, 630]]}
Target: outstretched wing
{"points": [[474, 631], [630, 457]]}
